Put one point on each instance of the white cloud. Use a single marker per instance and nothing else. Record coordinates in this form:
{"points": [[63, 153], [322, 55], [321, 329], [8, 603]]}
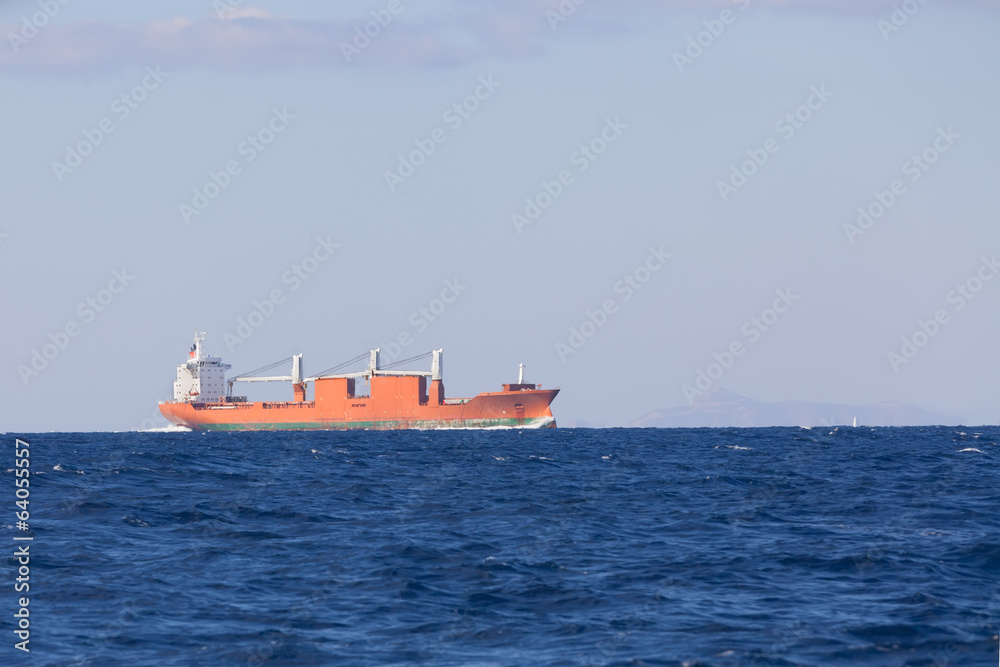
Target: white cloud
{"points": [[251, 38]]}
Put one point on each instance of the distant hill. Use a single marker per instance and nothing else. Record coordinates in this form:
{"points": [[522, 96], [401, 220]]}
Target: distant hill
{"points": [[720, 409]]}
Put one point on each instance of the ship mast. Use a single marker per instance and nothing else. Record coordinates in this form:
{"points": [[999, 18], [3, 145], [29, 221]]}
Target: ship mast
{"points": [[437, 365], [199, 338]]}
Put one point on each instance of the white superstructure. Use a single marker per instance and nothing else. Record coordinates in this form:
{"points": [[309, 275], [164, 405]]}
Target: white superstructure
{"points": [[203, 378]]}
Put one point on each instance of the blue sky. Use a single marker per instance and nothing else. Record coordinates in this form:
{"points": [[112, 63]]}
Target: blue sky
{"points": [[222, 85]]}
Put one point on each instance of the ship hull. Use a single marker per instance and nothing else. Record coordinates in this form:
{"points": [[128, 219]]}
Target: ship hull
{"points": [[333, 411], [374, 425]]}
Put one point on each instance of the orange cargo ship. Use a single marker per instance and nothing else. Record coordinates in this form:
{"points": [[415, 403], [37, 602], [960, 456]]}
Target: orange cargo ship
{"points": [[396, 400]]}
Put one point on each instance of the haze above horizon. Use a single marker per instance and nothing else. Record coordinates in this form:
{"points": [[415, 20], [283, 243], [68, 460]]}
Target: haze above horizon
{"points": [[645, 202]]}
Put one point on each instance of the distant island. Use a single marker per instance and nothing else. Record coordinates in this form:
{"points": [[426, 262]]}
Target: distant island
{"points": [[721, 408]]}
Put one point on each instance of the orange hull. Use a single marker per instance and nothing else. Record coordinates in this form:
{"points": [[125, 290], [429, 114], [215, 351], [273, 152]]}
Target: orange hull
{"points": [[396, 402]]}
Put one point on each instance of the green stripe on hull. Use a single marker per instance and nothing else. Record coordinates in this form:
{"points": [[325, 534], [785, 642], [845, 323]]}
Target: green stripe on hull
{"points": [[373, 425]]}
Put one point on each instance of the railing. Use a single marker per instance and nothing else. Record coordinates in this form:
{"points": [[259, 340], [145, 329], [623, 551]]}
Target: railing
{"points": [[220, 406], [226, 405]]}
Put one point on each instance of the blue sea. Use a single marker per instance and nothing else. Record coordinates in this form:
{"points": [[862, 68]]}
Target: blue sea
{"points": [[566, 547]]}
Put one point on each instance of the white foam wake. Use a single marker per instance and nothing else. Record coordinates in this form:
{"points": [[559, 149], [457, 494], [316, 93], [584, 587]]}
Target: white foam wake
{"points": [[541, 422]]}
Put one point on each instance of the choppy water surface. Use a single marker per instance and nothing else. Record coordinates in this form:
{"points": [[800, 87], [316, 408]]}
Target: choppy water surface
{"points": [[564, 547]]}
